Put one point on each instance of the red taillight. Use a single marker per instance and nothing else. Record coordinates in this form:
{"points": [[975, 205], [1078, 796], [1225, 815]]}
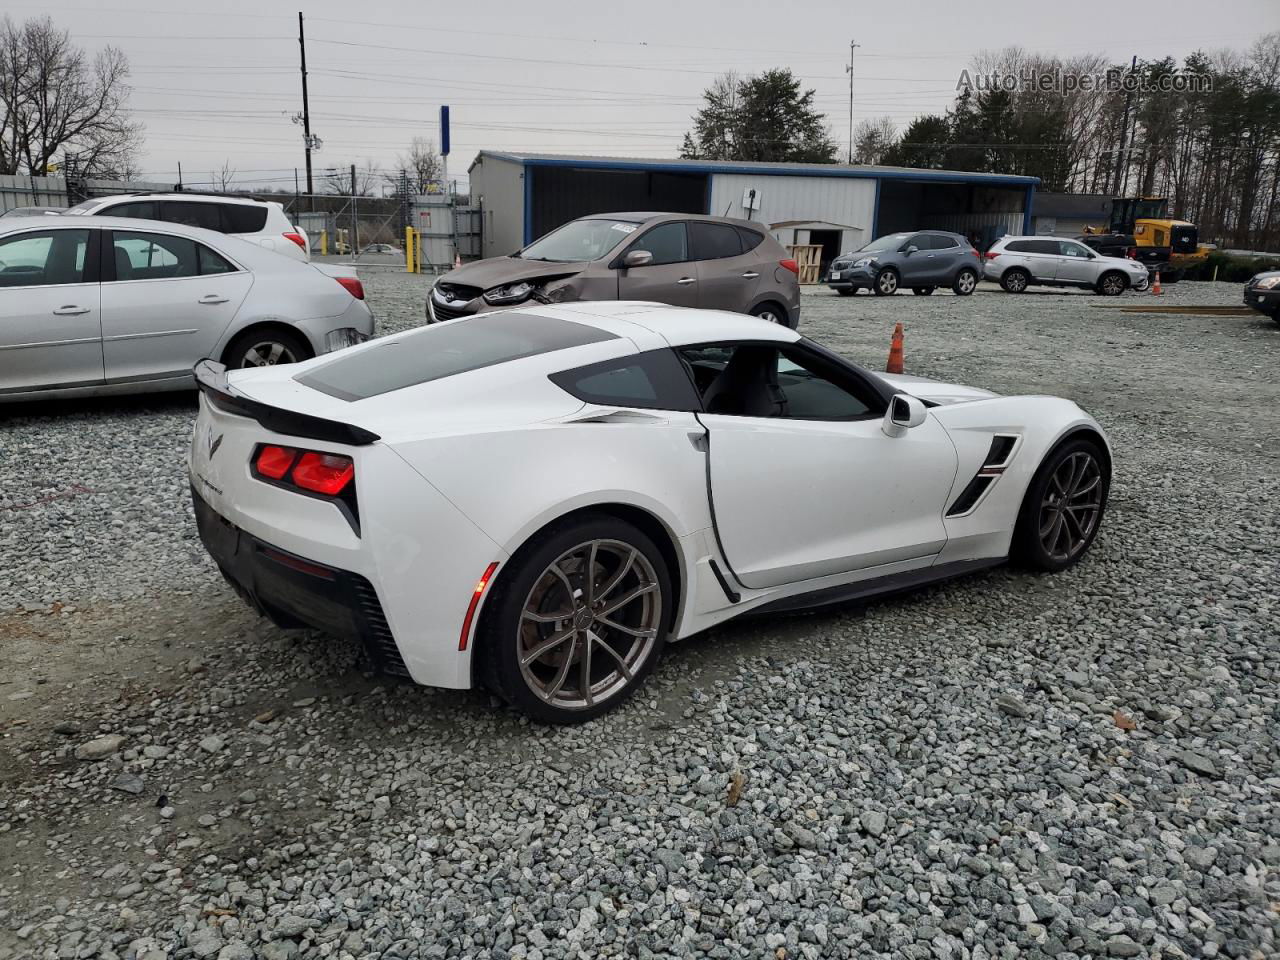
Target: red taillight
{"points": [[297, 238], [353, 286], [476, 594], [1132, 253], [274, 462], [325, 473], [791, 265], [990, 255]]}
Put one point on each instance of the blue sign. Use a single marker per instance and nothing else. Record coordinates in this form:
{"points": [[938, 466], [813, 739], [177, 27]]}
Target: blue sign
{"points": [[444, 131]]}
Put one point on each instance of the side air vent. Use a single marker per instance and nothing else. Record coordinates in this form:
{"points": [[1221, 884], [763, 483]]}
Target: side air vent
{"points": [[1001, 449], [970, 495]]}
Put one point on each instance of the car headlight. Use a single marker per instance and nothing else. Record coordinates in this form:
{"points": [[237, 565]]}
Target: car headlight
{"points": [[1266, 283], [508, 293], [865, 261]]}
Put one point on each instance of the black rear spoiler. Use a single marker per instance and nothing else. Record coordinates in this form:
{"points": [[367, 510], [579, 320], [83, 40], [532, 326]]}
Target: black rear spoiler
{"points": [[211, 377]]}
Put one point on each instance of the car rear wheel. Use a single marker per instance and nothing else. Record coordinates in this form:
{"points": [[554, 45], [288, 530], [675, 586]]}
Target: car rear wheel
{"points": [[965, 283], [266, 348], [1015, 281], [577, 621], [886, 284], [1063, 506], [922, 291], [1112, 284], [771, 312]]}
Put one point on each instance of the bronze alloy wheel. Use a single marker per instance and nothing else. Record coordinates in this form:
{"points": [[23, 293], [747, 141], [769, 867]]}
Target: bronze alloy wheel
{"points": [[1071, 506], [589, 624]]}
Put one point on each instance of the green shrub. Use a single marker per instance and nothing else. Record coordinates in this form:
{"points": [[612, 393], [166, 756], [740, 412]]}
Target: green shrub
{"points": [[1231, 269]]}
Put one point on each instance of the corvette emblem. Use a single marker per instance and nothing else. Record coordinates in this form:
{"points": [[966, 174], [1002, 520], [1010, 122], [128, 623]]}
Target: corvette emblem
{"points": [[212, 442]]}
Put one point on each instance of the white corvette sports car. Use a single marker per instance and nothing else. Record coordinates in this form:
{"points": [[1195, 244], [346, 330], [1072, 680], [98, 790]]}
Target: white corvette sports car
{"points": [[537, 500]]}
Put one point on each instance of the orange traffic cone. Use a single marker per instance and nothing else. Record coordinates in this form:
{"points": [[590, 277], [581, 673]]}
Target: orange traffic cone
{"points": [[1155, 286], [895, 351], [457, 260]]}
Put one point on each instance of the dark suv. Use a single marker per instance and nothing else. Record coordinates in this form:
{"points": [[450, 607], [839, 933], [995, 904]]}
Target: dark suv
{"points": [[922, 261], [675, 258]]}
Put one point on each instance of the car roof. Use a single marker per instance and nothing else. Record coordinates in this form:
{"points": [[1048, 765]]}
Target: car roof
{"points": [[642, 216], [180, 195], [676, 326]]}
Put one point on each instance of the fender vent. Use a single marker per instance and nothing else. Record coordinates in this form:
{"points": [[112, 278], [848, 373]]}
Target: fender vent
{"points": [[378, 641], [970, 495], [1001, 449]]}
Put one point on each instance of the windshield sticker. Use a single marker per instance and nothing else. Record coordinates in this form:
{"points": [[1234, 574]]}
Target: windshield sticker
{"points": [[625, 227]]}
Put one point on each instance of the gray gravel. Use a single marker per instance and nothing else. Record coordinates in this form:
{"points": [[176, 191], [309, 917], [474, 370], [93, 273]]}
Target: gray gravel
{"points": [[1005, 766]]}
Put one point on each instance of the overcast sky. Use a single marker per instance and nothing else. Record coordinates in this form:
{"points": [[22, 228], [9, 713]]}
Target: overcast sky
{"points": [[219, 83]]}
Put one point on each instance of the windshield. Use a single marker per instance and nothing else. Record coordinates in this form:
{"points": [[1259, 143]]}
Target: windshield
{"points": [[579, 241], [891, 242]]}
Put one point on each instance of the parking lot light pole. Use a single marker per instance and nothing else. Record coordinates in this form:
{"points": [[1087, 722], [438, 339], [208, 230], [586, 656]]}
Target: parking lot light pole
{"points": [[849, 70]]}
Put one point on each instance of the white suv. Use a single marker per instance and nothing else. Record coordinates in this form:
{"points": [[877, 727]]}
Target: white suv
{"points": [[259, 221], [1019, 262]]}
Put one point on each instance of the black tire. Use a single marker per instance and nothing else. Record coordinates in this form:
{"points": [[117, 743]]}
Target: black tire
{"points": [[770, 311], [293, 348], [1111, 284], [1015, 280], [965, 283], [922, 291], [505, 631], [886, 283], [1038, 518], [846, 291]]}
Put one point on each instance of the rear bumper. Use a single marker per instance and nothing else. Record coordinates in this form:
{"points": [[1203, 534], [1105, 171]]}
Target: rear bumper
{"points": [[295, 592]]}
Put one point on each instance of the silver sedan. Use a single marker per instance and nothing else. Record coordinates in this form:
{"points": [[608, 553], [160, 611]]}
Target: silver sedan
{"points": [[100, 305]]}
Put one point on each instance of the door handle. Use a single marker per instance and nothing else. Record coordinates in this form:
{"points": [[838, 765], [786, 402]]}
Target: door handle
{"points": [[70, 310], [685, 281], [750, 275], [212, 298]]}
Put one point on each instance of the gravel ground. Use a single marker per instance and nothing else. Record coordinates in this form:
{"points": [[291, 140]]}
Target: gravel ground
{"points": [[1004, 766]]}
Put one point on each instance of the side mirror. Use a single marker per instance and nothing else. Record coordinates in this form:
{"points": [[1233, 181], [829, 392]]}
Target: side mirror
{"points": [[911, 249], [637, 258], [905, 412]]}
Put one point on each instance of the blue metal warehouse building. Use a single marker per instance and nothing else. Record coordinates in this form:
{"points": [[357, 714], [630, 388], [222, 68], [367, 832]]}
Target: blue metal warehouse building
{"points": [[837, 207]]}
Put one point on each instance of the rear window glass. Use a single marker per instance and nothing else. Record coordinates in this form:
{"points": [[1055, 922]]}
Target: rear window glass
{"points": [[191, 213], [713, 241], [242, 218], [445, 350], [750, 239]]}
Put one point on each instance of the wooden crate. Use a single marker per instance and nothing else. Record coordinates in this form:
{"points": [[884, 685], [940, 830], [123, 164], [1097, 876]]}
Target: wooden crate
{"points": [[808, 258]]}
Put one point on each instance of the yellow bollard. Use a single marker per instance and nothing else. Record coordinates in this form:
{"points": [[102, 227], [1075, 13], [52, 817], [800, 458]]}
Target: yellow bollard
{"points": [[324, 243]]}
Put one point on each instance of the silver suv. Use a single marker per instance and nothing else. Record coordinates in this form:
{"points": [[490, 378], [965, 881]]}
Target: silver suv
{"points": [[1019, 262]]}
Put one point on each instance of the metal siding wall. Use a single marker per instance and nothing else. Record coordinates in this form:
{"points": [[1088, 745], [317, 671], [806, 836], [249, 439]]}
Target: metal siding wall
{"points": [[837, 200], [501, 184], [17, 190]]}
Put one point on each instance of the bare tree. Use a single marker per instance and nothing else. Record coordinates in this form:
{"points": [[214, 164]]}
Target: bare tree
{"points": [[422, 163], [56, 100], [222, 180], [872, 139], [337, 180]]}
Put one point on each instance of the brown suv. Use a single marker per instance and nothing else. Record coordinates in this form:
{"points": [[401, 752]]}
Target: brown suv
{"points": [[675, 258]]}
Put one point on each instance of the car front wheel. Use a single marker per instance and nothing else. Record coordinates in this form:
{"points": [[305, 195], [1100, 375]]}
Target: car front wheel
{"points": [[965, 283], [1063, 506], [886, 284], [1112, 284], [577, 621]]}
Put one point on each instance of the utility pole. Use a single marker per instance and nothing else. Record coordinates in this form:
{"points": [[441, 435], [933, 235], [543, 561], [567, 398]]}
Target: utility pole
{"points": [[355, 224], [849, 70], [1122, 164], [306, 108], [179, 176]]}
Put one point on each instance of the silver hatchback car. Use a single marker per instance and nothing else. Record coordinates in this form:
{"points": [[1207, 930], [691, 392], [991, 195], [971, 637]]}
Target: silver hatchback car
{"points": [[1019, 262]]}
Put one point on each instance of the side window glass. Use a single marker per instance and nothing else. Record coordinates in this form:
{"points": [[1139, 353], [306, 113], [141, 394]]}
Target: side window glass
{"points": [[1016, 246], [919, 241], [153, 256], [211, 262], [43, 259], [713, 241], [1049, 247], [135, 210], [667, 243], [759, 380], [242, 218], [1069, 249], [193, 214], [654, 380], [750, 239], [938, 242]]}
